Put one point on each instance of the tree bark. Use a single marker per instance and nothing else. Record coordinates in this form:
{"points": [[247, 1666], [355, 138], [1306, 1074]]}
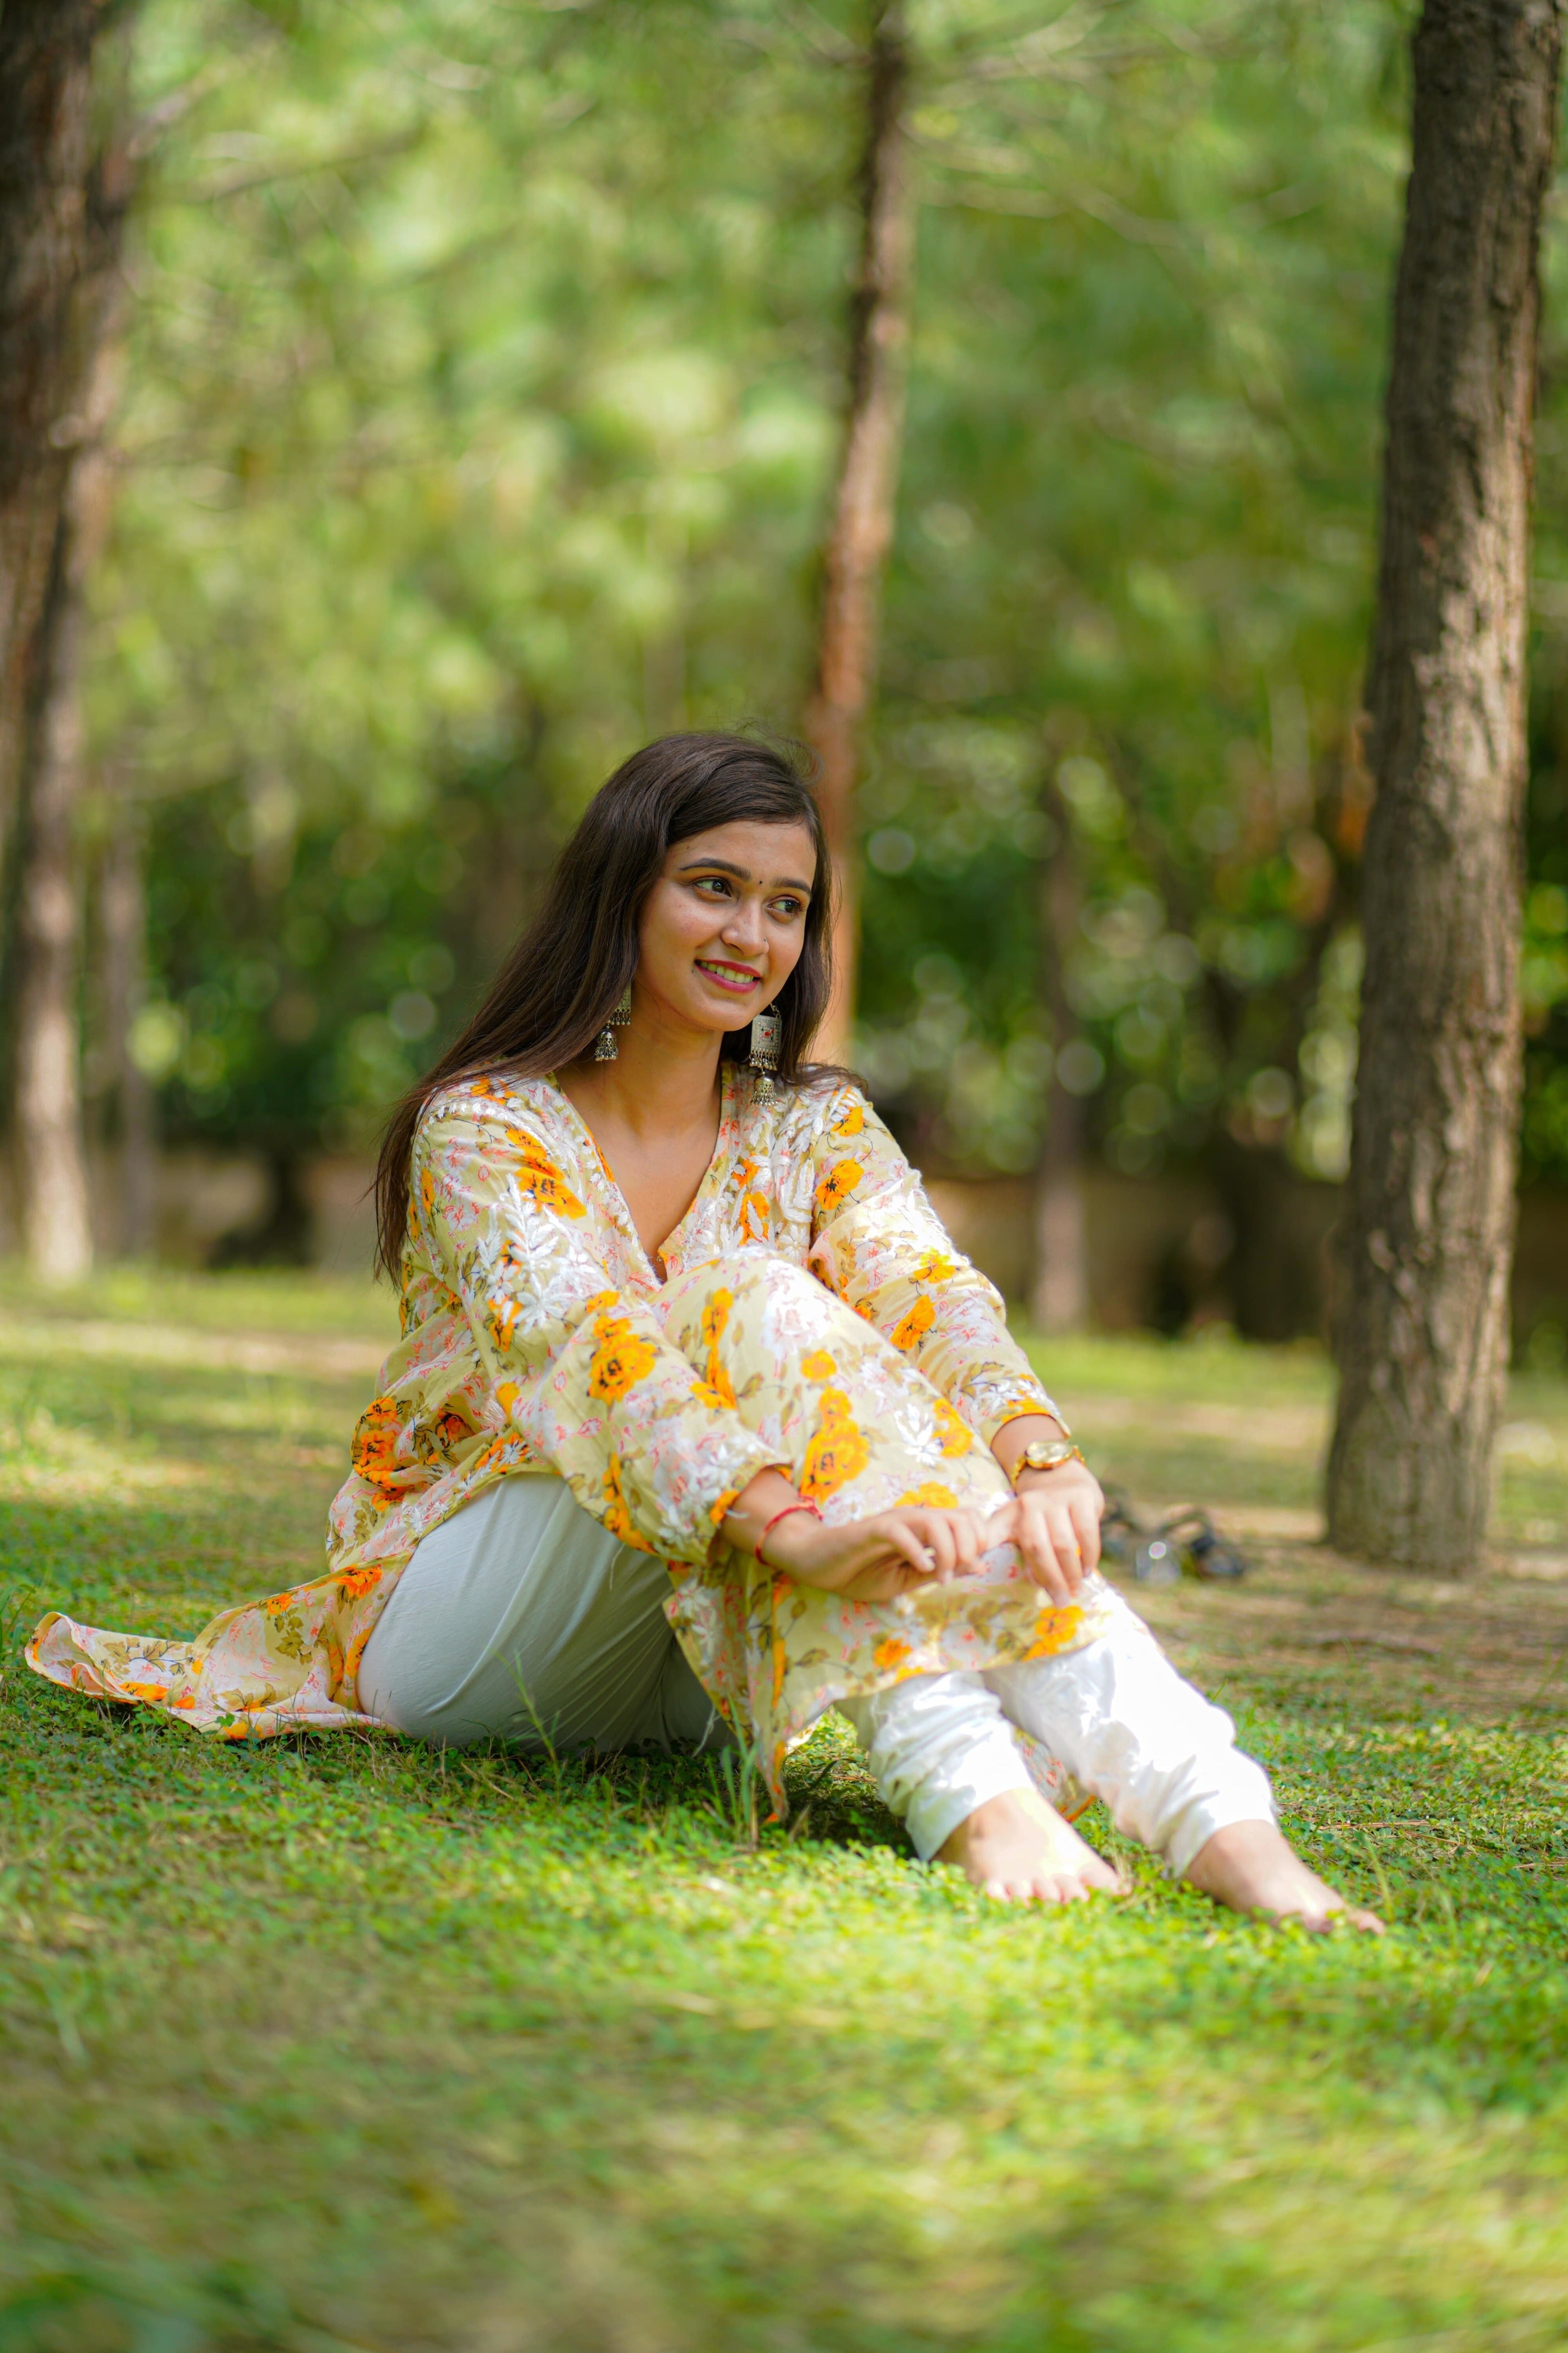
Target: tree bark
{"points": [[862, 531], [51, 1166], [122, 922], [1427, 1238], [46, 65], [1058, 1298]]}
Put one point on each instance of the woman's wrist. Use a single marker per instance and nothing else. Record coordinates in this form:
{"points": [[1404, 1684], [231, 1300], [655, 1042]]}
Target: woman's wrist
{"points": [[761, 1502], [789, 1511], [1023, 1430]]}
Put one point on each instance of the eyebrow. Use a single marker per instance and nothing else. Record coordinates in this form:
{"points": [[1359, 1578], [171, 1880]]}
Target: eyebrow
{"points": [[723, 866]]}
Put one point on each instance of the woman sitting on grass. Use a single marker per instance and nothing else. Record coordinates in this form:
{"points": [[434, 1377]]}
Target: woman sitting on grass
{"points": [[699, 1421]]}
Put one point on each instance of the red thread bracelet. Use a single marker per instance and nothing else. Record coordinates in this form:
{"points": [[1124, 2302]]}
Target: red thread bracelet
{"points": [[784, 1515]]}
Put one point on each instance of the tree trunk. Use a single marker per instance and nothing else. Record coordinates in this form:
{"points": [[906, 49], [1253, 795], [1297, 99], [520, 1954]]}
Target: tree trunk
{"points": [[45, 63], [862, 529], [1426, 1241], [1058, 1298], [122, 920], [52, 1172], [51, 1166]]}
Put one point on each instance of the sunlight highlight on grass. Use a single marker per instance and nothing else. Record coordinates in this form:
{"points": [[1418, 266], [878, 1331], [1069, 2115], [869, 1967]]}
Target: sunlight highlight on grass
{"points": [[338, 2043]]}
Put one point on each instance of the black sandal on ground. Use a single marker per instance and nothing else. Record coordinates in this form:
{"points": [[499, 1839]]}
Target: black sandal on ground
{"points": [[1204, 1553], [1187, 1543], [1120, 1530]]}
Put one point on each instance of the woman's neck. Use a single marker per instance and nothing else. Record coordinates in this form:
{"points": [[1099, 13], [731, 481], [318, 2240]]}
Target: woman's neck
{"points": [[660, 1084]]}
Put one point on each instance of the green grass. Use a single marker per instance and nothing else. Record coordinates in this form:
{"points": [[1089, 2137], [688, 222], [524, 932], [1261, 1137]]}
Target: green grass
{"points": [[323, 2043]]}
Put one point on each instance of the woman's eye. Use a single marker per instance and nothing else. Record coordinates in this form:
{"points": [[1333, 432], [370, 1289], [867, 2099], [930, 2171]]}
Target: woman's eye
{"points": [[712, 882], [786, 909]]}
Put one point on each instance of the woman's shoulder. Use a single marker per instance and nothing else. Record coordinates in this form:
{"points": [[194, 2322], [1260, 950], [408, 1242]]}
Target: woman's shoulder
{"points": [[787, 1122], [490, 1103], [834, 1110]]}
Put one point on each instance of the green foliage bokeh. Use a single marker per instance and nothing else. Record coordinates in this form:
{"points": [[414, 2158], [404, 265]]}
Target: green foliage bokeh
{"points": [[482, 402]]}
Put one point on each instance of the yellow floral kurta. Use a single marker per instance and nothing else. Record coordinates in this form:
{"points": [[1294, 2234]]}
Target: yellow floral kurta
{"points": [[538, 1339]]}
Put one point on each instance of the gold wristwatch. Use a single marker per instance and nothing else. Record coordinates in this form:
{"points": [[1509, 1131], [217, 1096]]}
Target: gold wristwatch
{"points": [[1039, 1455]]}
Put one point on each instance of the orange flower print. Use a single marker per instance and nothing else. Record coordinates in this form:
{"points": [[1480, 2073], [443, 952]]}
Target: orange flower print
{"points": [[911, 1329], [504, 1304], [427, 1188], [752, 1204], [783, 1589], [951, 1429], [833, 1190], [932, 1267], [837, 1451], [889, 1652], [616, 1517], [622, 1358], [373, 1449], [932, 1491], [716, 1316], [816, 1364], [538, 1176], [353, 1582], [852, 1123], [720, 1505], [715, 1319], [1055, 1630]]}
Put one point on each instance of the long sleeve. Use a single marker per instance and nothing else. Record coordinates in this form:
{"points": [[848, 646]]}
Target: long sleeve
{"points": [[582, 1370], [878, 1244]]}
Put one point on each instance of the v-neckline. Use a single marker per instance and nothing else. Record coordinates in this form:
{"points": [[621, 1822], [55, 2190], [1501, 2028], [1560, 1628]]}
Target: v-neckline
{"points": [[616, 1200]]}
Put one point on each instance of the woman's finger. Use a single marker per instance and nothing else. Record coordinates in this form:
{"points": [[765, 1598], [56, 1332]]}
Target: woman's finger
{"points": [[1029, 1536], [1036, 1549], [901, 1534], [1085, 1514], [966, 1542], [935, 1527], [1065, 1543]]}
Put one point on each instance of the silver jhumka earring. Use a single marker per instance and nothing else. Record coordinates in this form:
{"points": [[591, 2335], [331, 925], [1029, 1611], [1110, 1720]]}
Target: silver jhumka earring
{"points": [[763, 1058], [604, 1047]]}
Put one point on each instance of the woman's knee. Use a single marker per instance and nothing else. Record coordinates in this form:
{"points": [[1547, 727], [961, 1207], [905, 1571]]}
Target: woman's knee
{"points": [[702, 1304]]}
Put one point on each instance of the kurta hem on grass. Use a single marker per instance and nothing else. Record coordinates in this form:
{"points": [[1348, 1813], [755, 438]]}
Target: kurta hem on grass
{"points": [[814, 1316]]}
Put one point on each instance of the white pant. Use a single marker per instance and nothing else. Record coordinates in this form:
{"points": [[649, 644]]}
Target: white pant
{"points": [[1116, 1715], [522, 1619]]}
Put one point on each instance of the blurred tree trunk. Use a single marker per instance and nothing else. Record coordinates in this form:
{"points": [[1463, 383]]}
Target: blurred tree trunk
{"points": [[1421, 1332], [46, 70], [1059, 1299], [862, 529], [51, 1166], [122, 924]]}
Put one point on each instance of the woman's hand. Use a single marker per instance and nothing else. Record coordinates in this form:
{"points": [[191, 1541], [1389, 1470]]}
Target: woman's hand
{"points": [[1054, 1521], [877, 1558], [866, 1560]]}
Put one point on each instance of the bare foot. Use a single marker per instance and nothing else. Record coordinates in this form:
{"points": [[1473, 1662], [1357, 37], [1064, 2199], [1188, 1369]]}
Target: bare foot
{"points": [[1020, 1850], [1252, 1868]]}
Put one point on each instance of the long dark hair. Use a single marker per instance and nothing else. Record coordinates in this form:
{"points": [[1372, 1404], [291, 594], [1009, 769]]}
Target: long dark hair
{"points": [[559, 985]]}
